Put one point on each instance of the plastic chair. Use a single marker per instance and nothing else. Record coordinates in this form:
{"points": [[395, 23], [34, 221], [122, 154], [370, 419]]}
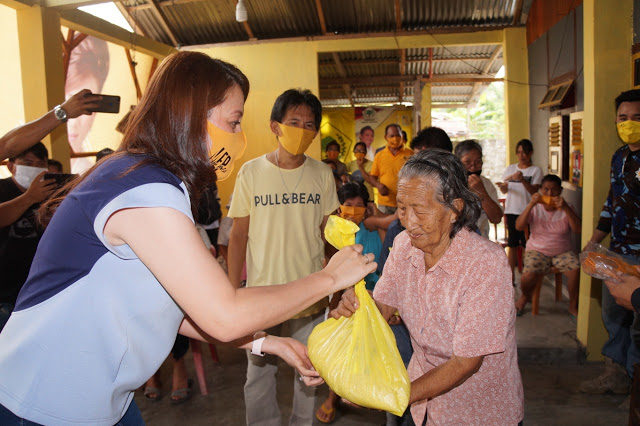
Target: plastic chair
{"points": [[535, 298], [196, 349]]}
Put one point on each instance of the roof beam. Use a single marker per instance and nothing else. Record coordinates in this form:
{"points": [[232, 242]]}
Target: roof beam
{"points": [[343, 73], [90, 25], [458, 36], [163, 22], [69, 4], [398, 12], [450, 78], [130, 18], [323, 25], [447, 106], [475, 92], [403, 71], [408, 60], [517, 12]]}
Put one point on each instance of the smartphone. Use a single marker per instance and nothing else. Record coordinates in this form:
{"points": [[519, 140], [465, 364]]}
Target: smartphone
{"points": [[61, 178], [108, 103]]}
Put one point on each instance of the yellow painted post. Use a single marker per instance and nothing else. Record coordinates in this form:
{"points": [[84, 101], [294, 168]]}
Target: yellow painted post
{"points": [[607, 72], [516, 89], [425, 106], [40, 43]]}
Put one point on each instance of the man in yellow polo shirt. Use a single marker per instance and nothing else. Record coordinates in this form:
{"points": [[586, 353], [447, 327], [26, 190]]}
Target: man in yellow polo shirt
{"points": [[386, 165]]}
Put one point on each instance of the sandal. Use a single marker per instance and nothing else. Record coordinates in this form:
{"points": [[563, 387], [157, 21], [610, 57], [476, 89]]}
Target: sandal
{"points": [[152, 394], [331, 414], [179, 396]]}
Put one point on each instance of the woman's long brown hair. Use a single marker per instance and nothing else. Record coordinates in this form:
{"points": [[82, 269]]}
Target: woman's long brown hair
{"points": [[169, 124]]}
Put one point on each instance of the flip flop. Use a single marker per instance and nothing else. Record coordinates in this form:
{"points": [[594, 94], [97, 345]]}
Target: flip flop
{"points": [[331, 413], [182, 394], [149, 391]]}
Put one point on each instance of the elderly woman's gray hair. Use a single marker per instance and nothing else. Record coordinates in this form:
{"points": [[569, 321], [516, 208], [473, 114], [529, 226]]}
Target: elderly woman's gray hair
{"points": [[466, 146], [448, 172]]}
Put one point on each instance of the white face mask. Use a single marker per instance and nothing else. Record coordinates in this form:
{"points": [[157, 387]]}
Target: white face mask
{"points": [[25, 175]]}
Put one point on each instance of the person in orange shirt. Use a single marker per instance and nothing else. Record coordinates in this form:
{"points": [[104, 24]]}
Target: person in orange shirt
{"points": [[386, 165]]}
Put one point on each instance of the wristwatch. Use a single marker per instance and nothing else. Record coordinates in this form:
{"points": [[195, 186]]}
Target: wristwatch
{"points": [[256, 346], [60, 114]]}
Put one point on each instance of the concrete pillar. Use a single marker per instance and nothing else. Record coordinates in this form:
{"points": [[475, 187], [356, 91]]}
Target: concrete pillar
{"points": [[40, 42], [516, 90], [425, 106], [608, 36]]}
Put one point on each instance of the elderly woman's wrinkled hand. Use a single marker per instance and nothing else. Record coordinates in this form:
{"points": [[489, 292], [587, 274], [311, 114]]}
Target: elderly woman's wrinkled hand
{"points": [[347, 306]]}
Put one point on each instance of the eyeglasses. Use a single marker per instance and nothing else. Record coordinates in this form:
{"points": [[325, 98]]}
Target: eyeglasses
{"points": [[477, 163], [360, 152], [333, 150]]}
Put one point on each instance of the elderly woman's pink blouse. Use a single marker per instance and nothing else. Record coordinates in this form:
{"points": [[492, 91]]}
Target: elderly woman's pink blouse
{"points": [[464, 306]]}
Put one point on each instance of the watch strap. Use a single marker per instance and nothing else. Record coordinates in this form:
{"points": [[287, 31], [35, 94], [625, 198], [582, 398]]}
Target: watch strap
{"points": [[256, 347]]}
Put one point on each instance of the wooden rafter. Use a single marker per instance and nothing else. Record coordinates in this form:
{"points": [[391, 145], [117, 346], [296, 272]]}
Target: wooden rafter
{"points": [[517, 12], [163, 22], [473, 97], [403, 71], [323, 24], [397, 8], [132, 68], [409, 61], [130, 18], [343, 73], [451, 78], [68, 44]]}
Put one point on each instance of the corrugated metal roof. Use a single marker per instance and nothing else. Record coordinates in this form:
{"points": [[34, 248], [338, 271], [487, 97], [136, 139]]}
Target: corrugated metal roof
{"points": [[198, 22]]}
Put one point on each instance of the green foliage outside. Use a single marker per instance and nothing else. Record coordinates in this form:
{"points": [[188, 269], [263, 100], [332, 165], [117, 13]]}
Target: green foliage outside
{"points": [[486, 119]]}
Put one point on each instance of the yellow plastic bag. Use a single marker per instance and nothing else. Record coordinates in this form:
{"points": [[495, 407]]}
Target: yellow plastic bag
{"points": [[358, 356]]}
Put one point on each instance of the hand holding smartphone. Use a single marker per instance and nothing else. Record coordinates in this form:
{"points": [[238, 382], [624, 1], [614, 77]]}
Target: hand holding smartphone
{"points": [[108, 103]]}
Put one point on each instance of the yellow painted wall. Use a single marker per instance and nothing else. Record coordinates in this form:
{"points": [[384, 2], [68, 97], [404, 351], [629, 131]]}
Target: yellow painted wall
{"points": [[271, 69], [607, 72], [516, 89], [10, 78]]}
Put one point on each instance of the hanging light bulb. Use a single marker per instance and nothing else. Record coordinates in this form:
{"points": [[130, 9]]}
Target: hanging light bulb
{"points": [[241, 11]]}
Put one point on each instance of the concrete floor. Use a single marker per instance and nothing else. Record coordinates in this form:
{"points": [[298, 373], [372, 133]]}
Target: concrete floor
{"points": [[551, 362]]}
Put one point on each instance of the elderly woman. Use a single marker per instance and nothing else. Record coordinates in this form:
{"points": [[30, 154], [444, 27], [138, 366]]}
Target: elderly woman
{"points": [[453, 290], [470, 154]]}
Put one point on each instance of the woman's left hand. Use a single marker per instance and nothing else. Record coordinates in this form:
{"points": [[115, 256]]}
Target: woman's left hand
{"points": [[293, 353]]}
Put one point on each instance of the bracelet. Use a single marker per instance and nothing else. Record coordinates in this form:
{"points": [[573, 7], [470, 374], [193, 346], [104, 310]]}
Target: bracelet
{"points": [[256, 346]]}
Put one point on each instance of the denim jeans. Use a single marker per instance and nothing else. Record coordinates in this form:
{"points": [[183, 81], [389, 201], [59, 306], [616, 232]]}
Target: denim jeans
{"points": [[131, 418], [623, 328], [5, 313]]}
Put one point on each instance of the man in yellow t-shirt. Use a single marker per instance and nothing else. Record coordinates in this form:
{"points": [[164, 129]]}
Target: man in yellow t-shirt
{"points": [[386, 165], [280, 206]]}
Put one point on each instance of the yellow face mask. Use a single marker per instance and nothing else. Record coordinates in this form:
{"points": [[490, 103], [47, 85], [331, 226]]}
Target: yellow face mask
{"points": [[359, 155], [629, 131], [226, 148], [394, 142], [547, 200], [294, 139], [352, 213]]}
